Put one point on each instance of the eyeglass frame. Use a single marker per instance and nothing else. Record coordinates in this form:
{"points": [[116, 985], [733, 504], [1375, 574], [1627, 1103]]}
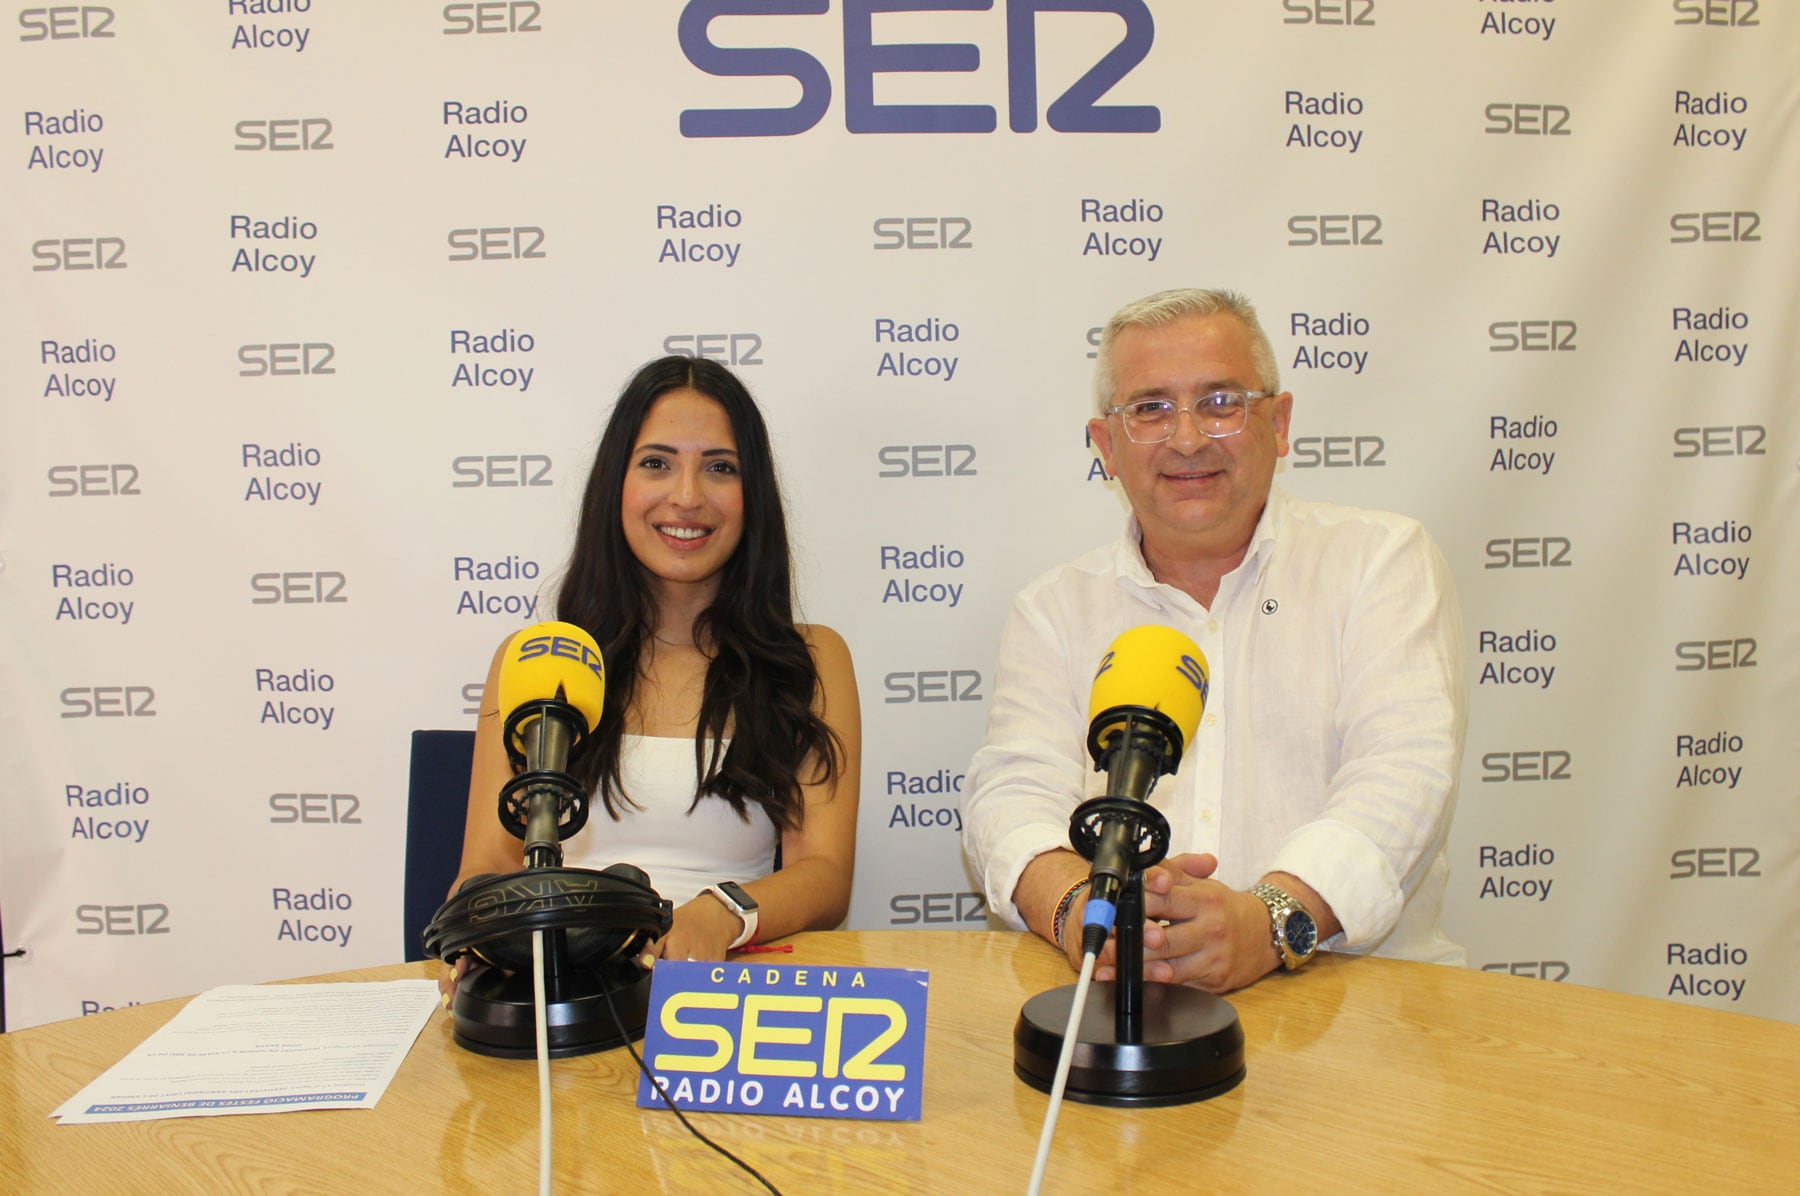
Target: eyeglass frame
{"points": [[1189, 409]]}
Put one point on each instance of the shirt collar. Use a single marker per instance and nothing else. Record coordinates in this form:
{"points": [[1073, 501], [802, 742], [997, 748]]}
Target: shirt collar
{"points": [[1134, 571]]}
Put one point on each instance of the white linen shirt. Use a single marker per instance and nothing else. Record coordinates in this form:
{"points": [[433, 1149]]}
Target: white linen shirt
{"points": [[1332, 736]]}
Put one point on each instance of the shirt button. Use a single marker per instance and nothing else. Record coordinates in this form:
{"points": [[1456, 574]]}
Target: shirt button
{"points": [[1212, 624], [1212, 720], [1206, 816]]}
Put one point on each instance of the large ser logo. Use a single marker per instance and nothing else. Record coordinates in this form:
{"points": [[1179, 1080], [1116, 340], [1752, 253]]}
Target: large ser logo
{"points": [[1077, 110]]}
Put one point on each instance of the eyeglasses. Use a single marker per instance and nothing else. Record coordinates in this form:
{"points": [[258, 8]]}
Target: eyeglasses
{"points": [[1219, 414]]}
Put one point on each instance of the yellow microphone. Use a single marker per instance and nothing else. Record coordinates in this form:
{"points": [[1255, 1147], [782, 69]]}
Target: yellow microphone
{"points": [[552, 689], [1144, 707], [1149, 668], [547, 657]]}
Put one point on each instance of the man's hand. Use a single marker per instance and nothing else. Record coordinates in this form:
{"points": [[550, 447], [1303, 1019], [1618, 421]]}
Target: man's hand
{"points": [[1217, 938]]}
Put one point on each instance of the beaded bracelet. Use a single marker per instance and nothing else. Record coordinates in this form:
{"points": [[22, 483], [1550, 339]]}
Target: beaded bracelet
{"points": [[1062, 911]]}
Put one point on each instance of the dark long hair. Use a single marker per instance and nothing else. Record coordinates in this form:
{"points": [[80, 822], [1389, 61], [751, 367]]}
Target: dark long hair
{"points": [[761, 681]]}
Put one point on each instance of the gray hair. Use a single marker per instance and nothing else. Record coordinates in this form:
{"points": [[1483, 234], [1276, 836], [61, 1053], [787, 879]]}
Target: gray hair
{"points": [[1165, 307]]}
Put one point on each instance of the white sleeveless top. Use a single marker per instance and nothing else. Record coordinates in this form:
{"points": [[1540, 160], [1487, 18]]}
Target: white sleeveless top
{"points": [[683, 852]]}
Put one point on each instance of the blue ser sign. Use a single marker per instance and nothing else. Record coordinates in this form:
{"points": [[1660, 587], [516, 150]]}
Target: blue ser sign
{"points": [[797, 1041]]}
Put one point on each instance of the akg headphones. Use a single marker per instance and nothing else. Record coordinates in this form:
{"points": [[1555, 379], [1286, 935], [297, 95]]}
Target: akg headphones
{"points": [[606, 915]]}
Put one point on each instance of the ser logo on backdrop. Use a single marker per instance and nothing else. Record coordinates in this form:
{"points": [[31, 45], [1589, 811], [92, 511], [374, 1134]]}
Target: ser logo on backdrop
{"points": [[927, 461], [1721, 440], [499, 243], [286, 359], [732, 348], [109, 701], [1339, 452], [1724, 13], [1329, 12], [935, 909], [149, 917], [66, 22], [93, 481], [1692, 228], [1525, 767], [1076, 110], [1532, 336], [493, 16], [298, 588], [79, 253], [1697, 656], [1328, 231], [1726, 863], [924, 232], [500, 471], [286, 134], [932, 685], [329, 809], [1529, 552], [1506, 119]]}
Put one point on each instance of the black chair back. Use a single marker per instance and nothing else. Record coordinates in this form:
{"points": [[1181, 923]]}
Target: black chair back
{"points": [[437, 799]]}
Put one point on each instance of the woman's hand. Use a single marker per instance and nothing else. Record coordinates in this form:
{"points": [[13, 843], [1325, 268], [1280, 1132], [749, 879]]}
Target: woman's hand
{"points": [[703, 929], [449, 976]]}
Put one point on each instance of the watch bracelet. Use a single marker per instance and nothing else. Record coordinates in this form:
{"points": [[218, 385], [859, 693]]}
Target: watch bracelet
{"points": [[1275, 898], [1061, 918]]}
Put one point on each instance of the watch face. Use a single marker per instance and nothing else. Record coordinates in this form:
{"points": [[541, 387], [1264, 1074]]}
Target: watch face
{"points": [[744, 900], [1302, 934]]}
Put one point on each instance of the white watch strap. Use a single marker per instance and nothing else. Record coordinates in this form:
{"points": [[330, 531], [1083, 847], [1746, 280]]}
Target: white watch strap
{"points": [[747, 916]]}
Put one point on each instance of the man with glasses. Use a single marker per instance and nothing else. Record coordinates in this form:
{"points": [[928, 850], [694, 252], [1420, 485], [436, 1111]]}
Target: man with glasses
{"points": [[1313, 804]]}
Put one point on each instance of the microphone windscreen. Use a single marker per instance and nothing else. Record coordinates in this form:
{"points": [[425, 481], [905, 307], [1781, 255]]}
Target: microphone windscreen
{"points": [[1157, 667], [549, 657]]}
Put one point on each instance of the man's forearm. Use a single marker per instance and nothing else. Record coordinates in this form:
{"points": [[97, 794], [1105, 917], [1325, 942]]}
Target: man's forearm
{"points": [[1042, 886]]}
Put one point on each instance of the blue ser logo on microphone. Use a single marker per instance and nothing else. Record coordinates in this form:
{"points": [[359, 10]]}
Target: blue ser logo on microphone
{"points": [[563, 646], [1194, 673]]}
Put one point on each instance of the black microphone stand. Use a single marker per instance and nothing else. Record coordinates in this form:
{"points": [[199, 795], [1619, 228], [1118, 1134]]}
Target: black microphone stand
{"points": [[1157, 1044], [495, 1008]]}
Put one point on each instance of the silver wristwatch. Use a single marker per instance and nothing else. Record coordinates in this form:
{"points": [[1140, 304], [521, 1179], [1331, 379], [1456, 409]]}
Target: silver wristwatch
{"points": [[1296, 934]]}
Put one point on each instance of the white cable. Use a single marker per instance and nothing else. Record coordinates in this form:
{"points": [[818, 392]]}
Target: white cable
{"points": [[1062, 1074], [543, 1056]]}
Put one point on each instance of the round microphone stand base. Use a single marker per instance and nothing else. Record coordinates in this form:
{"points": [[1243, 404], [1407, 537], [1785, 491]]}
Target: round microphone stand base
{"points": [[493, 1010], [1189, 1046]]}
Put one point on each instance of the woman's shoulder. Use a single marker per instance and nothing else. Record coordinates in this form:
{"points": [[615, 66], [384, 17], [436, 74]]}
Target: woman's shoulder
{"points": [[829, 651], [822, 639]]}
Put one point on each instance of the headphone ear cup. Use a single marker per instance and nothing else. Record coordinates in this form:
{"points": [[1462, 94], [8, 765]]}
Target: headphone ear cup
{"points": [[450, 918], [592, 945]]}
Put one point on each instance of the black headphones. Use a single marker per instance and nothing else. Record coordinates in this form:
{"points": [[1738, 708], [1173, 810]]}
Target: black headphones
{"points": [[605, 915]]}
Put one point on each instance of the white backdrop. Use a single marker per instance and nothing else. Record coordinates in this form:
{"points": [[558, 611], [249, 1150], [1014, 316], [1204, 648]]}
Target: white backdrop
{"points": [[312, 317]]}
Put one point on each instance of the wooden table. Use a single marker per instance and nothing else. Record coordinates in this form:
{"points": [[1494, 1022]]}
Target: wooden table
{"points": [[1364, 1075]]}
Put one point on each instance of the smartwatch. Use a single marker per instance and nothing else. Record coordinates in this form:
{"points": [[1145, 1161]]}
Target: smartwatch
{"points": [[1296, 935], [733, 897]]}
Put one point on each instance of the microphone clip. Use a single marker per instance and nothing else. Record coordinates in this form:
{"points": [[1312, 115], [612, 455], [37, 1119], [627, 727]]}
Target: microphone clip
{"points": [[1145, 729], [1146, 828]]}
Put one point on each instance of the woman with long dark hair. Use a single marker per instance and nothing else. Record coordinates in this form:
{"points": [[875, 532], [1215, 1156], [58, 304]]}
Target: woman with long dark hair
{"points": [[728, 729]]}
